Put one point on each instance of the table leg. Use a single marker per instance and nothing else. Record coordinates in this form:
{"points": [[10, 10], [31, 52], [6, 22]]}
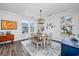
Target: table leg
{"points": [[44, 42], [37, 45], [47, 43], [41, 44]]}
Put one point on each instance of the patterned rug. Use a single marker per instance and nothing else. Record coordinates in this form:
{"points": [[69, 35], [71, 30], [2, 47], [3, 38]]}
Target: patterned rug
{"points": [[33, 51]]}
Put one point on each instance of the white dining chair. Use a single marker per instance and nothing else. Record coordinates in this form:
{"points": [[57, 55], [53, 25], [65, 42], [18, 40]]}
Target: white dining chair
{"points": [[49, 39]]}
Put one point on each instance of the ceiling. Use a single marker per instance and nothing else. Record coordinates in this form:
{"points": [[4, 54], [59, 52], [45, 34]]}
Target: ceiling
{"points": [[33, 9]]}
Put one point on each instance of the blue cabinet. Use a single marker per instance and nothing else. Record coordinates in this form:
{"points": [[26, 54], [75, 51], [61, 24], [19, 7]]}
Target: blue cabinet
{"points": [[67, 50]]}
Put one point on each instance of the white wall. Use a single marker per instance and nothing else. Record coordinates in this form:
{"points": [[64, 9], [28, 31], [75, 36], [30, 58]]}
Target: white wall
{"points": [[54, 18], [14, 17], [57, 19]]}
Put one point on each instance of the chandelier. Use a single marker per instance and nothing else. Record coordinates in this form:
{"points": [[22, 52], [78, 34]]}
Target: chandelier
{"points": [[40, 23], [41, 20]]}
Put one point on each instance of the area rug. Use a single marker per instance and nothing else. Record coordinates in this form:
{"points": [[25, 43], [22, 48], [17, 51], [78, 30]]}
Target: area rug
{"points": [[34, 51]]}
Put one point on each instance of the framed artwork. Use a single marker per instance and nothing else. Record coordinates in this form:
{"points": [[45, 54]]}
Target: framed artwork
{"points": [[8, 25], [66, 25]]}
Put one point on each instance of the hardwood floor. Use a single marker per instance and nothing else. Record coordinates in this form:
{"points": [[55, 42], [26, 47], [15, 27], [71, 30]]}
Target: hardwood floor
{"points": [[13, 49]]}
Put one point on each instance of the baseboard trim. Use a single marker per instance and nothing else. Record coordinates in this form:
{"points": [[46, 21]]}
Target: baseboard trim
{"points": [[22, 39]]}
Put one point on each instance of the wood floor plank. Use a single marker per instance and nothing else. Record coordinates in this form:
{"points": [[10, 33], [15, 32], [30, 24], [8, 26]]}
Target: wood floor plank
{"points": [[4, 51], [7, 49], [13, 50], [20, 52], [1, 51]]}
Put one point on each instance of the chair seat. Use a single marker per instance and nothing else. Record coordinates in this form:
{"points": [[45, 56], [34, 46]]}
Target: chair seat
{"points": [[36, 41]]}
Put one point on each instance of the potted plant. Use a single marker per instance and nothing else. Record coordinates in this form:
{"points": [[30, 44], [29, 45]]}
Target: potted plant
{"points": [[8, 33], [1, 34]]}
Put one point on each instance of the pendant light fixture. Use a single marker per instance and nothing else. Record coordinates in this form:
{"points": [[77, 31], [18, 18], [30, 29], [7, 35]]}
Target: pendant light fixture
{"points": [[41, 21]]}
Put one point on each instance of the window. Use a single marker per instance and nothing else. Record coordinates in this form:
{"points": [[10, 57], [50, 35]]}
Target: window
{"points": [[32, 26], [24, 27], [28, 26]]}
